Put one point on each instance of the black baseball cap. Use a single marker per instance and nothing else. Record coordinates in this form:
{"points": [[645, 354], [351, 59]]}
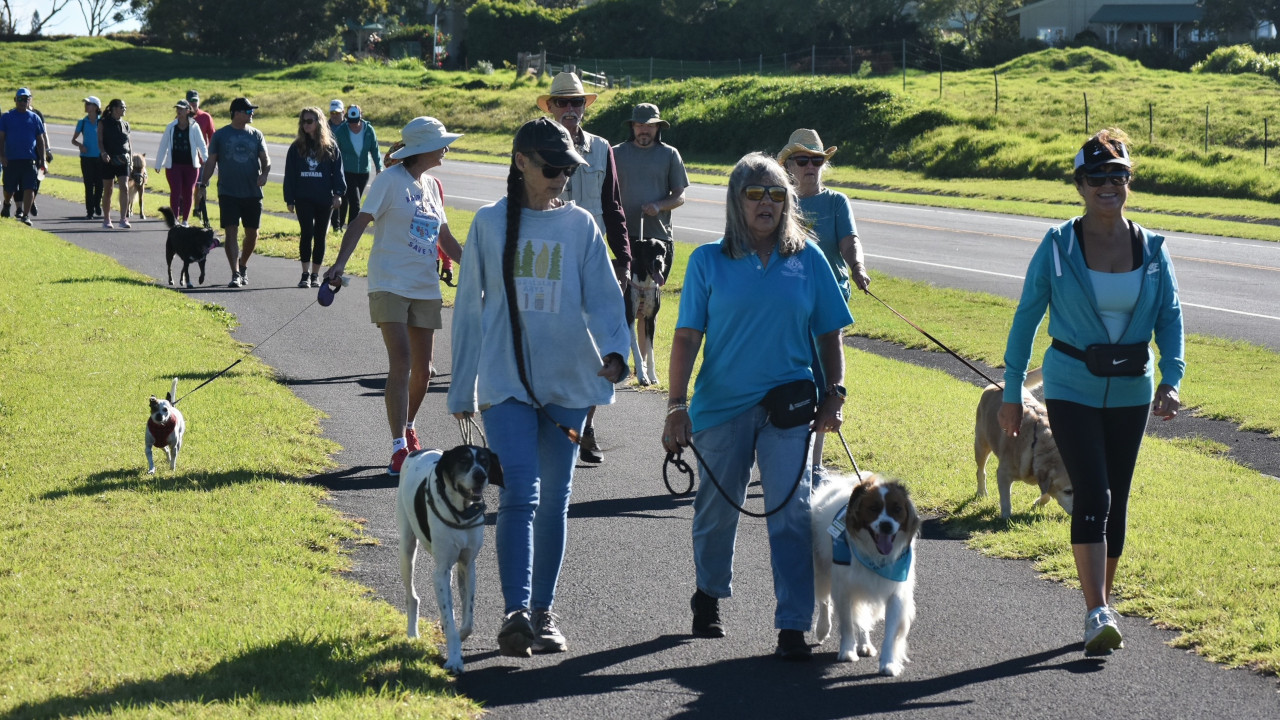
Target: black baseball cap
{"points": [[193, 96], [550, 140], [242, 105], [1096, 155]]}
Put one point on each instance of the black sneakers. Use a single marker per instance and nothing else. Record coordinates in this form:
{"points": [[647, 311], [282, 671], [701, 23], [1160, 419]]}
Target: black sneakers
{"points": [[515, 639], [547, 638], [706, 616], [305, 281], [588, 449], [791, 646]]}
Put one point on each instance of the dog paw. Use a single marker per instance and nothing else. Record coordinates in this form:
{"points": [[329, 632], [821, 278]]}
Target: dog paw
{"points": [[644, 381], [893, 669], [866, 651], [846, 656], [464, 632], [189, 285], [152, 471], [453, 666], [170, 281]]}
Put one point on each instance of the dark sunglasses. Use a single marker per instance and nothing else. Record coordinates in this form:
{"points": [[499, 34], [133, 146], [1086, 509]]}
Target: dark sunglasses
{"points": [[308, 121], [1116, 178], [804, 160], [777, 193], [564, 102], [551, 172]]}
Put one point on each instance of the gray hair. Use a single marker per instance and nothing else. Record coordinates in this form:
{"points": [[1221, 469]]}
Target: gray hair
{"points": [[760, 169]]}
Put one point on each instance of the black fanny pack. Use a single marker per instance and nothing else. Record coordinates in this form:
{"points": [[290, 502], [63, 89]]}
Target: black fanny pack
{"points": [[791, 404], [1105, 360]]}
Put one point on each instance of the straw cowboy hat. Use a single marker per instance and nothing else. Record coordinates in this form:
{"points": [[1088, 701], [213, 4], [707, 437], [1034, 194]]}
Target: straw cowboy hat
{"points": [[423, 135], [566, 84], [647, 114], [805, 141]]}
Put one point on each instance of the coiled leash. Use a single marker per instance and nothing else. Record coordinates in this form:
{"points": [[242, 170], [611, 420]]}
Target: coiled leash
{"points": [[673, 458], [468, 428], [252, 350], [953, 353]]}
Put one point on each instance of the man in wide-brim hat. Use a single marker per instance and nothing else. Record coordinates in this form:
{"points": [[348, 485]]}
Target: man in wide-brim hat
{"points": [[594, 187]]}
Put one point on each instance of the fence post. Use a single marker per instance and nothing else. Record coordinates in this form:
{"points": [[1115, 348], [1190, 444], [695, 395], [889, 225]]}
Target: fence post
{"points": [[1206, 128], [996, 74], [813, 60], [939, 73], [850, 59], [650, 68], [761, 71], [904, 65], [1151, 123], [1086, 113], [1266, 138]]}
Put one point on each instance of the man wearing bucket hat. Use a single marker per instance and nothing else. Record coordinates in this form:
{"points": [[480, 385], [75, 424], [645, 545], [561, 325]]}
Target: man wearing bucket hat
{"points": [[205, 122], [238, 152], [406, 207], [652, 177], [594, 187], [22, 154]]}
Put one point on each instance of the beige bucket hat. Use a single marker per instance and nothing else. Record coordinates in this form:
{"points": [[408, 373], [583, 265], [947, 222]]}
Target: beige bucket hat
{"points": [[806, 141], [566, 84]]}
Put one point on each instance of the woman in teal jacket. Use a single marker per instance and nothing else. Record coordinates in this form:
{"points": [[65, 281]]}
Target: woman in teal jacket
{"points": [[359, 145], [1108, 282]]}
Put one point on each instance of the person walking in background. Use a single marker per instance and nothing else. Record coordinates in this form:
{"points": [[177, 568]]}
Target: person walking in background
{"points": [[181, 154], [240, 152], [336, 116], [204, 121], [758, 297], [48, 160], [594, 188], [117, 159], [313, 188], [85, 138], [537, 308], [22, 154], [1109, 286], [359, 145], [651, 177], [828, 215], [406, 207]]}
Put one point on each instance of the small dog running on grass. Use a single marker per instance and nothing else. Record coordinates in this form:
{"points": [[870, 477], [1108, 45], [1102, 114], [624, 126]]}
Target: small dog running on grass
{"points": [[191, 245], [440, 505], [137, 183], [165, 428]]}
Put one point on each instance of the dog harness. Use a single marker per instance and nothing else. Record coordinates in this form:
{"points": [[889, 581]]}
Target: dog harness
{"points": [[463, 519], [843, 552], [160, 432]]}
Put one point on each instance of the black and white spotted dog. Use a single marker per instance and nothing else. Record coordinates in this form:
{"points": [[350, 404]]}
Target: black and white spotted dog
{"points": [[643, 300]]}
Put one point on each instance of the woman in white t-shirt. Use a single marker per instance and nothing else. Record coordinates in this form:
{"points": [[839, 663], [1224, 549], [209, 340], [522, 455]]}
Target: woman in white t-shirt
{"points": [[406, 207]]}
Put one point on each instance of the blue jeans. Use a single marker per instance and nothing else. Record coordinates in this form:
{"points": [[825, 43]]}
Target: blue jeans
{"points": [[537, 467], [728, 451]]}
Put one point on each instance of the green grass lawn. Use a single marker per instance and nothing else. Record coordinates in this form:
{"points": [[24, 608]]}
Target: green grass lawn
{"points": [[215, 591]]}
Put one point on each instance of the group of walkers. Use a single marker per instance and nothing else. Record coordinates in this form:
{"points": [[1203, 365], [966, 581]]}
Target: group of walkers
{"points": [[540, 338]]}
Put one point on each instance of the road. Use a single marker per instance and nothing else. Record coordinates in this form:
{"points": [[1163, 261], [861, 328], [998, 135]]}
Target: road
{"points": [[1230, 287], [991, 640]]}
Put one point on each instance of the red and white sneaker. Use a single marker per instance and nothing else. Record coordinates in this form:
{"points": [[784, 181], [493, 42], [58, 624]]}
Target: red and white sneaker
{"points": [[397, 460], [411, 440]]}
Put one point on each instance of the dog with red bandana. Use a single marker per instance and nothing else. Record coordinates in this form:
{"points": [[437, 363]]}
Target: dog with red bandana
{"points": [[165, 428]]}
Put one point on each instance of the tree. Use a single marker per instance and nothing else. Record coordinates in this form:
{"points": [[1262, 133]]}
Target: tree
{"points": [[99, 15], [1239, 14], [9, 25]]}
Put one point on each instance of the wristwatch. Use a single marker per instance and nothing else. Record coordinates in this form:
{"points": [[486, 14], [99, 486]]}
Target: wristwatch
{"points": [[836, 389]]}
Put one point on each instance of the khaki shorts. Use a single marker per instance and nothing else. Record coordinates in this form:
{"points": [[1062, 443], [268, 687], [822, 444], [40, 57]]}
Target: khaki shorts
{"points": [[389, 307]]}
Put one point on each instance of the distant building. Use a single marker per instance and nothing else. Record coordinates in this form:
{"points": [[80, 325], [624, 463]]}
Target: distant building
{"points": [[1135, 23]]}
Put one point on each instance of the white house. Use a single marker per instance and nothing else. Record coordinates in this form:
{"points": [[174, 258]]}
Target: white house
{"points": [[1133, 22]]}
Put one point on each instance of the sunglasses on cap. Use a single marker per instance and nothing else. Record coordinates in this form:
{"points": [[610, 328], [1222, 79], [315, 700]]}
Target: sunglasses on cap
{"points": [[552, 172], [777, 193], [804, 160], [1100, 179], [564, 102]]}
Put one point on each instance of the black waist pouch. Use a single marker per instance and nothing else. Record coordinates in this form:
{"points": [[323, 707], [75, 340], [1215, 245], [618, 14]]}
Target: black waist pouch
{"points": [[1105, 360], [791, 404]]}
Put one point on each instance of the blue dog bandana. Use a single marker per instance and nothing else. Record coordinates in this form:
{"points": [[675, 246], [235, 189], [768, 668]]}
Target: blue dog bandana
{"points": [[842, 553]]}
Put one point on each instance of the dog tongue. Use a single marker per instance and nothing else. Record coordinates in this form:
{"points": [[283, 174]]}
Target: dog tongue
{"points": [[660, 279], [884, 543]]}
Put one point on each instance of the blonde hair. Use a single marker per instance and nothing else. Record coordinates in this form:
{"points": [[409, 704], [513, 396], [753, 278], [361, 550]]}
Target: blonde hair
{"points": [[322, 146], [760, 169]]}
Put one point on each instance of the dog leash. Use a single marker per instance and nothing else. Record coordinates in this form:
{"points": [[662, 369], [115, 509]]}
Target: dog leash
{"points": [[953, 353], [468, 428], [252, 350], [673, 458]]}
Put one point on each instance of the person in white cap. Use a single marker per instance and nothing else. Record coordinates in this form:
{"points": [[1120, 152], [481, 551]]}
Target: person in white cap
{"points": [[359, 145], [90, 156], [594, 188], [336, 119], [22, 154], [181, 153], [406, 207]]}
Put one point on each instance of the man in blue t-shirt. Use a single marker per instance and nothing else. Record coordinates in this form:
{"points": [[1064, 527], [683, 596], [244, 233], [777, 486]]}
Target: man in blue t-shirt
{"points": [[239, 152], [22, 154]]}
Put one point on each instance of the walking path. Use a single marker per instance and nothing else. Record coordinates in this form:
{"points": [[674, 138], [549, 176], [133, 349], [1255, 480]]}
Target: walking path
{"points": [[991, 639]]}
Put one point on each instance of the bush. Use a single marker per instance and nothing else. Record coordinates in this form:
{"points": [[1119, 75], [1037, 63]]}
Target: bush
{"points": [[1239, 59]]}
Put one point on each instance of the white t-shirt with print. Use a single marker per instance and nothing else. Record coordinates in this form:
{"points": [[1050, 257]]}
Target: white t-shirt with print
{"points": [[406, 229]]}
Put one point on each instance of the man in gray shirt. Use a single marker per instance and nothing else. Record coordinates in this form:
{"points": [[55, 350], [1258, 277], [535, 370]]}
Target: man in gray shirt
{"points": [[652, 178], [239, 151]]}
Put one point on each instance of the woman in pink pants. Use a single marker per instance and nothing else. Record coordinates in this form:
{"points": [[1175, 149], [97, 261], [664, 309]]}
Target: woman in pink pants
{"points": [[182, 152]]}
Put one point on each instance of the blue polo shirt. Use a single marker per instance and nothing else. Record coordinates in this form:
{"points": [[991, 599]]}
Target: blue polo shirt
{"points": [[829, 217], [88, 130], [21, 128], [757, 322]]}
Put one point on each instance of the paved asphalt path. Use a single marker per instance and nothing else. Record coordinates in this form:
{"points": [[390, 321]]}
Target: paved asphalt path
{"points": [[990, 640]]}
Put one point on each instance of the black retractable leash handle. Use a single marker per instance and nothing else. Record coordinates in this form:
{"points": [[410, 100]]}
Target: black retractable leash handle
{"points": [[936, 340]]}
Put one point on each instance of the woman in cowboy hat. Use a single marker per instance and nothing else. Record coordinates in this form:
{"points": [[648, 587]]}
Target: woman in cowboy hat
{"points": [[829, 217], [406, 206]]}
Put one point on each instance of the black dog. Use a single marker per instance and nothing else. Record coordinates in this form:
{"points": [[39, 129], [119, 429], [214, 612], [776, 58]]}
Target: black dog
{"points": [[190, 244], [643, 300]]}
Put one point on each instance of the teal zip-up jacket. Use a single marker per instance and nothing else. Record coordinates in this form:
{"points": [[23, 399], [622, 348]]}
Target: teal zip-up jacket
{"points": [[354, 161], [1058, 279]]}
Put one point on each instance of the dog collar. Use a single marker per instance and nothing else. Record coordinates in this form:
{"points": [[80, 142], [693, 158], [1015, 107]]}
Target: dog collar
{"points": [[463, 519]]}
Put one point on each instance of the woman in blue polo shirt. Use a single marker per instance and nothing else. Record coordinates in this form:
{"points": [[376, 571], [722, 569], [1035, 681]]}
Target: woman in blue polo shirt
{"points": [[1109, 287], [758, 297], [86, 138]]}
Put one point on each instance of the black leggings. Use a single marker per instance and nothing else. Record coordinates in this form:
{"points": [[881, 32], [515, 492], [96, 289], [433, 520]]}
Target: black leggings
{"points": [[313, 221], [91, 170], [1099, 448], [351, 200]]}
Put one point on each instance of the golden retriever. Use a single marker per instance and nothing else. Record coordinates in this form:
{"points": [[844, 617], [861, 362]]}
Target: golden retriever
{"points": [[1031, 457]]}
